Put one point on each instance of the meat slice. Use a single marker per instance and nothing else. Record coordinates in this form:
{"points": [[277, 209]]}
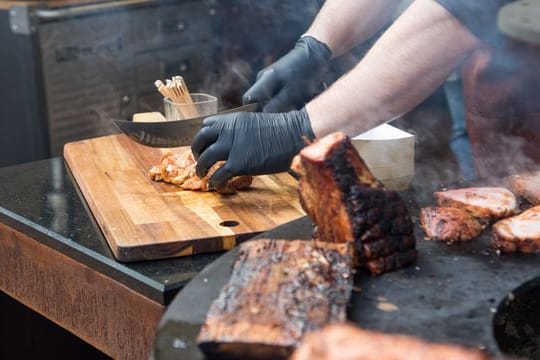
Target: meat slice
{"points": [[520, 233], [278, 291], [449, 224], [486, 203], [526, 185], [348, 204], [174, 168], [348, 342], [179, 169]]}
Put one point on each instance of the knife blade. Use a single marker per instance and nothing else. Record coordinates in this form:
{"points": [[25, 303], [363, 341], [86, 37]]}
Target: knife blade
{"points": [[174, 133]]}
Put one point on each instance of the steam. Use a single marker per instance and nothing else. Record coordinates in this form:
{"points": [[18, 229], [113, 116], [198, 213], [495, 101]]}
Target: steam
{"points": [[232, 81], [249, 35], [502, 91]]}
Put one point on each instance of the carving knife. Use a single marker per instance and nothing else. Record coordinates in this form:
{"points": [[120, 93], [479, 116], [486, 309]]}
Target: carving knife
{"points": [[170, 133]]}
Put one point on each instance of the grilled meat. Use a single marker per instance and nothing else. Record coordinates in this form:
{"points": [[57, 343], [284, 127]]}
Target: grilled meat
{"points": [[449, 224], [347, 342], [173, 168], [527, 185], [520, 233], [278, 291], [179, 169], [486, 203], [348, 204]]}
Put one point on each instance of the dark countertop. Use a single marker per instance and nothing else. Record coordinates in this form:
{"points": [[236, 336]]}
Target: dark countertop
{"points": [[40, 200]]}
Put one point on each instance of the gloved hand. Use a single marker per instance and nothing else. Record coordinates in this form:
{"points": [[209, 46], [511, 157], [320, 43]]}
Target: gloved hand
{"points": [[250, 143], [294, 79]]}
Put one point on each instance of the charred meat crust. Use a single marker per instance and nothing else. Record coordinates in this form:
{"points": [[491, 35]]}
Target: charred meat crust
{"points": [[347, 203], [278, 291], [397, 260]]}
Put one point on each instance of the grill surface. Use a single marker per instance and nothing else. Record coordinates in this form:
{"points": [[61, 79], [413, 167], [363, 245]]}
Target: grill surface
{"points": [[450, 295]]}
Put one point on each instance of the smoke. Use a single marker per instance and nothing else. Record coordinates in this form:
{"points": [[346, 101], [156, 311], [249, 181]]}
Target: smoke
{"points": [[248, 36], [502, 96], [103, 66], [233, 79]]}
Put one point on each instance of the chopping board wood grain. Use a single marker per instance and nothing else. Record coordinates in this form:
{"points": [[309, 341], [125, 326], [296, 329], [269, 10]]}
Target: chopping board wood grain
{"points": [[143, 220]]}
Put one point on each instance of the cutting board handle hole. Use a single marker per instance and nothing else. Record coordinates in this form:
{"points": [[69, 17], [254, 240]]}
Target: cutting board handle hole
{"points": [[229, 223]]}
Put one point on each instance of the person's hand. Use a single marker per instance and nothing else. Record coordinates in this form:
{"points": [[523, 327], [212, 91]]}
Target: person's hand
{"points": [[294, 79], [250, 143]]}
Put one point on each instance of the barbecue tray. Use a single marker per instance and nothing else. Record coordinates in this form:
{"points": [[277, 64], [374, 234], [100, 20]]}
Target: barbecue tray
{"points": [[450, 295]]}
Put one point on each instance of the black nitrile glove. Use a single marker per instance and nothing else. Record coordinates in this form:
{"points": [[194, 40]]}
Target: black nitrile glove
{"points": [[250, 143], [294, 79]]}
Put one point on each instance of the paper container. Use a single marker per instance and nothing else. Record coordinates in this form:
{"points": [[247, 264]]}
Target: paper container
{"points": [[389, 154]]}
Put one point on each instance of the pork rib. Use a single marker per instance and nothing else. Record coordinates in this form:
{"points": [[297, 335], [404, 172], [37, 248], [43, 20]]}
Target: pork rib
{"points": [[278, 291], [520, 233], [486, 203], [449, 224], [348, 204], [348, 342]]}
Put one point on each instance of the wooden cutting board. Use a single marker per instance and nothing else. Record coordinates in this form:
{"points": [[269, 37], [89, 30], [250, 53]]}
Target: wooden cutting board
{"points": [[142, 219]]}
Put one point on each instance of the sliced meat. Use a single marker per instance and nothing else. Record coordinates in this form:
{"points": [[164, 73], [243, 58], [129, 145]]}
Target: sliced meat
{"points": [[155, 173], [348, 342], [527, 185], [179, 169], [449, 224], [487, 203], [348, 204], [520, 233], [173, 168], [278, 291]]}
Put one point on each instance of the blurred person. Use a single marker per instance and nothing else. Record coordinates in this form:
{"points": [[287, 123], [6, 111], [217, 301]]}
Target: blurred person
{"points": [[414, 56]]}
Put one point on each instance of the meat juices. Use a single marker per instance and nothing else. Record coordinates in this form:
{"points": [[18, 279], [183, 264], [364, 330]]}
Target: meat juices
{"points": [[449, 224], [348, 342], [520, 233], [278, 291], [179, 169], [348, 204], [486, 203]]}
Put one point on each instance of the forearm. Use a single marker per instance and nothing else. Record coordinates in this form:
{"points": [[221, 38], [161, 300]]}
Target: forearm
{"points": [[343, 24], [406, 65]]}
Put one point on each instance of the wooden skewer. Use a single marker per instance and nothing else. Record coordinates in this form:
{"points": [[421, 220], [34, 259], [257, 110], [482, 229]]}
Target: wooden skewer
{"points": [[185, 88], [176, 90], [163, 89], [175, 95], [187, 95]]}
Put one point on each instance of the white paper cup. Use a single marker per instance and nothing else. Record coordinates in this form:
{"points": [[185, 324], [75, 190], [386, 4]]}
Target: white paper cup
{"points": [[389, 154], [203, 105]]}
